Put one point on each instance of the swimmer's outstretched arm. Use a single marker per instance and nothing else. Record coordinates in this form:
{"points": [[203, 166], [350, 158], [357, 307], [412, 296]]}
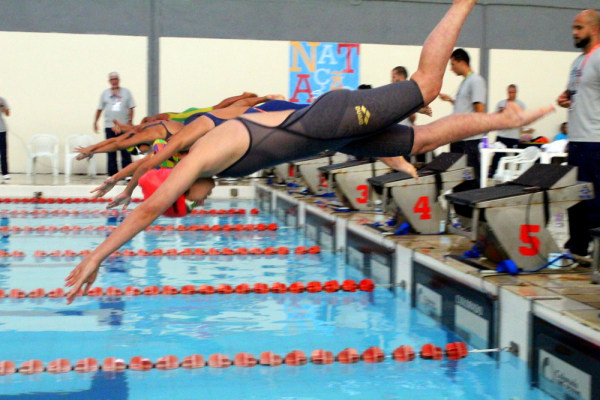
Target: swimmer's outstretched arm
{"points": [[108, 184], [231, 100], [210, 155]]}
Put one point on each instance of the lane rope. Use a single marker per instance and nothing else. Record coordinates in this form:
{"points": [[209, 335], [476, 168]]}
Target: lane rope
{"points": [[200, 212], [453, 351], [157, 228], [349, 285], [226, 251]]}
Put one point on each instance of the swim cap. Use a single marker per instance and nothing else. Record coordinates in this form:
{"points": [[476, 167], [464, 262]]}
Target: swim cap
{"points": [[157, 146], [151, 180]]}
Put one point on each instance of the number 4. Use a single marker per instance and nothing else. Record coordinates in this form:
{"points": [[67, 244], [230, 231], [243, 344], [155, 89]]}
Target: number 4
{"points": [[422, 207]]}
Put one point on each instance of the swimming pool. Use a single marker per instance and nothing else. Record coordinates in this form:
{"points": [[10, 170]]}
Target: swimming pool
{"points": [[155, 326]]}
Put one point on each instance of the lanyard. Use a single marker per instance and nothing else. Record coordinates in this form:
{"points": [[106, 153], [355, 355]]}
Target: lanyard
{"points": [[583, 64]]}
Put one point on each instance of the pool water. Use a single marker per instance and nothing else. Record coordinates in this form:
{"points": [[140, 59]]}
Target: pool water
{"points": [[152, 327]]}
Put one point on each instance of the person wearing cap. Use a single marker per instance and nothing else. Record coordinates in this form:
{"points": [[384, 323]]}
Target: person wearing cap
{"points": [[117, 104]]}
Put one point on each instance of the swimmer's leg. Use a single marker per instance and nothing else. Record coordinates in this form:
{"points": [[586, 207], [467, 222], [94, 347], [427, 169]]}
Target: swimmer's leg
{"points": [[461, 126], [438, 48]]}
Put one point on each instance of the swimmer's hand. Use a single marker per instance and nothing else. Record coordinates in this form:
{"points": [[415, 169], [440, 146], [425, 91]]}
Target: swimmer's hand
{"points": [[123, 198], [426, 111], [83, 153], [275, 97], [104, 188], [83, 274]]}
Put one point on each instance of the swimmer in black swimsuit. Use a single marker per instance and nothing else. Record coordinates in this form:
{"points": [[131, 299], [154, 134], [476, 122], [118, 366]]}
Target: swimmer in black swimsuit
{"points": [[354, 122]]}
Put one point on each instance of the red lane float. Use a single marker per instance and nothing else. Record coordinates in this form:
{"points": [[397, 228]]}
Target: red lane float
{"points": [[219, 361], [113, 364], [348, 356], [431, 352], [193, 362], [404, 353], [167, 362], [296, 358], [86, 365], [31, 367], [373, 355], [246, 360], [322, 357], [7, 368], [60, 366], [270, 359]]}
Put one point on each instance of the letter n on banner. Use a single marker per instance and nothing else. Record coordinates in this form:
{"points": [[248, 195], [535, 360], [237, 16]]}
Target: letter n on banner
{"points": [[317, 68]]}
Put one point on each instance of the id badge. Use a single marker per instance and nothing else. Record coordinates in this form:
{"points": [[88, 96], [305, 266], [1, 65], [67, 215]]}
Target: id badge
{"points": [[116, 106]]}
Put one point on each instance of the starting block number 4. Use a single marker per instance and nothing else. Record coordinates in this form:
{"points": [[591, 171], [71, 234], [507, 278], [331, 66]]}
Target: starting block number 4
{"points": [[533, 248], [422, 207]]}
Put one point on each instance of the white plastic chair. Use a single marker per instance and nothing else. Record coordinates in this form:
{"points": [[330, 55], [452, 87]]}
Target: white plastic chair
{"points": [[73, 142], [42, 145], [510, 168]]}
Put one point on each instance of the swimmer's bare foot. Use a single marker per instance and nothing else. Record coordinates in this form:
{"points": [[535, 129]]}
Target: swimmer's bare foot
{"points": [[516, 117], [426, 111], [275, 97], [400, 164]]}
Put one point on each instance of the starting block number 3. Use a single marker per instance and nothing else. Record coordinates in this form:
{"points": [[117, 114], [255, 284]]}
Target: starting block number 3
{"points": [[422, 207], [532, 242], [364, 192]]}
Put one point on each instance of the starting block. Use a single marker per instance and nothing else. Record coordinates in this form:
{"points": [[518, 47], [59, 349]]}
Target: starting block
{"points": [[418, 200], [349, 181], [307, 170], [510, 220], [304, 172]]}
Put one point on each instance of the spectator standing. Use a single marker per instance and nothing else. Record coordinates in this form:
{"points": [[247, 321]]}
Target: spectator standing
{"points": [[117, 104], [582, 98], [4, 109], [471, 97], [510, 137], [400, 74]]}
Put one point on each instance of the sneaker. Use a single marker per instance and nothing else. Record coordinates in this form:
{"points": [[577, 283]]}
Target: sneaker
{"points": [[128, 179], [5, 177]]}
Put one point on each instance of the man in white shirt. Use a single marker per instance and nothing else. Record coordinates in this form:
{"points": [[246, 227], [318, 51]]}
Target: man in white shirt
{"points": [[582, 98], [471, 97], [117, 104]]}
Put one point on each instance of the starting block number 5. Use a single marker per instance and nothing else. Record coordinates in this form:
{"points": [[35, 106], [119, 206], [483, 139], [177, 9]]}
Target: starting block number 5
{"points": [[422, 207], [533, 248]]}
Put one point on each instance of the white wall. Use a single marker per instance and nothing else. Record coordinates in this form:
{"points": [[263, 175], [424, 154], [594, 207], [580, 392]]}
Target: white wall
{"points": [[540, 76], [202, 72], [53, 82]]}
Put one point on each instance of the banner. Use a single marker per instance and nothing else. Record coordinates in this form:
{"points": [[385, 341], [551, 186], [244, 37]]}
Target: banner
{"points": [[317, 68]]}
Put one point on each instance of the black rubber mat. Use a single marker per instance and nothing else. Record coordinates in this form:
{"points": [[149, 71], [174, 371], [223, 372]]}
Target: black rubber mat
{"points": [[473, 197]]}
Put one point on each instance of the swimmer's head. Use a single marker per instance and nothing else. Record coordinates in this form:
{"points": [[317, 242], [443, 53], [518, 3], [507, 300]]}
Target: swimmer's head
{"points": [[193, 197]]}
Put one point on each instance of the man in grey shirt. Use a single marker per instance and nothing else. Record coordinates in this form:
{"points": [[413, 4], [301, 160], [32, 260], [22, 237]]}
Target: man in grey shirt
{"points": [[471, 97], [4, 109], [510, 137], [582, 98], [117, 104]]}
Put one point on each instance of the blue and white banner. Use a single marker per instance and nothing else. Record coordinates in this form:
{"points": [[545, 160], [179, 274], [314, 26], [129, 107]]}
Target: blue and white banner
{"points": [[317, 68]]}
